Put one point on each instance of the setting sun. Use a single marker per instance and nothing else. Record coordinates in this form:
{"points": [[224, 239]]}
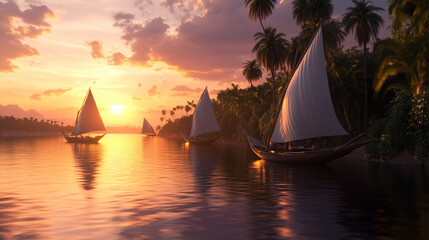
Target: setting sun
{"points": [[117, 109]]}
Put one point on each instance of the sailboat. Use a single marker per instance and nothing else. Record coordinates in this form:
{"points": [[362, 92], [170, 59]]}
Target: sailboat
{"points": [[88, 120], [147, 128], [204, 124], [306, 112]]}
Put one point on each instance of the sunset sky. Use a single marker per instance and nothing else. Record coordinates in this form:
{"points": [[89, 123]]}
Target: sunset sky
{"points": [[143, 55]]}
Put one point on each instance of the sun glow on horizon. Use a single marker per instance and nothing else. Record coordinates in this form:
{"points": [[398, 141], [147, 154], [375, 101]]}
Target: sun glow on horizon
{"points": [[117, 109]]}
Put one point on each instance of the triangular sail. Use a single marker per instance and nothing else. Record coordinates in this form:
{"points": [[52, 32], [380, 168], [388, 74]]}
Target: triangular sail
{"points": [[204, 120], [307, 110], [89, 119], [147, 128]]}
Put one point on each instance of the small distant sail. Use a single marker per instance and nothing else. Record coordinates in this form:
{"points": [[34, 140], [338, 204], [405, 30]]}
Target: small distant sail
{"points": [[307, 110], [147, 128], [88, 119], [204, 120]]}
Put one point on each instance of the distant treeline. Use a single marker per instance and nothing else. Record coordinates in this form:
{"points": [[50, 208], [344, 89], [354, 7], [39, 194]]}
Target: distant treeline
{"points": [[10, 123]]}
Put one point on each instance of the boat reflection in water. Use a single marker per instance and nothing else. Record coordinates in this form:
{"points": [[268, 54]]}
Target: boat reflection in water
{"points": [[203, 159], [140, 187], [87, 157], [298, 199]]}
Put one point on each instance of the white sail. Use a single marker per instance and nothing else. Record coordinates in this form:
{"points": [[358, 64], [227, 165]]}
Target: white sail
{"points": [[307, 110], [204, 120], [147, 128], [89, 119]]}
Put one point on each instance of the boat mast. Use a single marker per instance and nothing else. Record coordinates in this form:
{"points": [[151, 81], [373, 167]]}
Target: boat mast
{"points": [[80, 109]]}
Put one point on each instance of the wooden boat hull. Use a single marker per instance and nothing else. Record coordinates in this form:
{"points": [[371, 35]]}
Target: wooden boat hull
{"points": [[86, 139], [202, 140], [304, 157], [150, 134]]}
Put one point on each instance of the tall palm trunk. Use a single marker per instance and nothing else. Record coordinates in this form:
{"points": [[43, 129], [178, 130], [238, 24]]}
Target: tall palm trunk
{"points": [[262, 25], [274, 86], [366, 89], [427, 71]]}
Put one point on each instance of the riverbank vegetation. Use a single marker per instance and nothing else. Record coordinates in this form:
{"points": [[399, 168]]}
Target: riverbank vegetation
{"points": [[11, 124], [384, 84]]}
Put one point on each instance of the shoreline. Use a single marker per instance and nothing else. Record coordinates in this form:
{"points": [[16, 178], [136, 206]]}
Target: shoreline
{"points": [[357, 156], [9, 133]]}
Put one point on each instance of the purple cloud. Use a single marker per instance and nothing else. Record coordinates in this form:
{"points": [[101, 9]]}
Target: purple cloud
{"points": [[11, 36]]}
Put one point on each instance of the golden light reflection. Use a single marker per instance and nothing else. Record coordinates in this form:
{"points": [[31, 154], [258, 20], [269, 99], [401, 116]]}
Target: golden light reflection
{"points": [[117, 109], [259, 166], [258, 163]]}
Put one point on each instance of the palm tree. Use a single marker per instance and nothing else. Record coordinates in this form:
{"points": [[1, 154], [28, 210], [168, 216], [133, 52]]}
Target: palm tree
{"points": [[187, 109], [310, 14], [365, 23], [271, 51], [161, 119], [252, 71], [260, 9], [409, 57], [312, 11], [411, 16], [192, 104], [333, 36], [172, 113]]}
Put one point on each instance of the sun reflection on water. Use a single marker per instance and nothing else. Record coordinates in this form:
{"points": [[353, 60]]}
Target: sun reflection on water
{"points": [[136, 187]]}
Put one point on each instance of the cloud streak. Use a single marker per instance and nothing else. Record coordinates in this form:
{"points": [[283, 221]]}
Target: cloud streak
{"points": [[33, 24], [49, 93], [182, 90]]}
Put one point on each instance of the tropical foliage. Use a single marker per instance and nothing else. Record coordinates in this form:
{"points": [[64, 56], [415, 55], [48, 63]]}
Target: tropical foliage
{"points": [[252, 71], [407, 127], [12, 124], [363, 20], [271, 50], [409, 47], [312, 11], [260, 9]]}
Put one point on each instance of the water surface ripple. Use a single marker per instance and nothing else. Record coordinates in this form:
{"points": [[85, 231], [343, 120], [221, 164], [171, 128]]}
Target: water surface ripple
{"points": [[138, 187]]}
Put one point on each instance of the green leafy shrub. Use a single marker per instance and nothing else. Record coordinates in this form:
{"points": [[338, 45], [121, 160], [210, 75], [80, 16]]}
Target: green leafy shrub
{"points": [[418, 129], [406, 127]]}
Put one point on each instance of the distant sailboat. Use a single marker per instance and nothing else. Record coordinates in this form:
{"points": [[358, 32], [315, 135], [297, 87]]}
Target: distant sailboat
{"points": [[88, 120], [307, 112], [204, 124], [147, 128]]}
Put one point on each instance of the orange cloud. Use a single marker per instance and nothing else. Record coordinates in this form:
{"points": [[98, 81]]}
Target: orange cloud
{"points": [[97, 53], [50, 92], [96, 49], [55, 92], [137, 99], [182, 90], [117, 59], [11, 36], [36, 96], [153, 91], [214, 92]]}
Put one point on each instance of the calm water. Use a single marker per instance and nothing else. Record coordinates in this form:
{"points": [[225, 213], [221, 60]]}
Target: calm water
{"points": [[136, 187]]}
